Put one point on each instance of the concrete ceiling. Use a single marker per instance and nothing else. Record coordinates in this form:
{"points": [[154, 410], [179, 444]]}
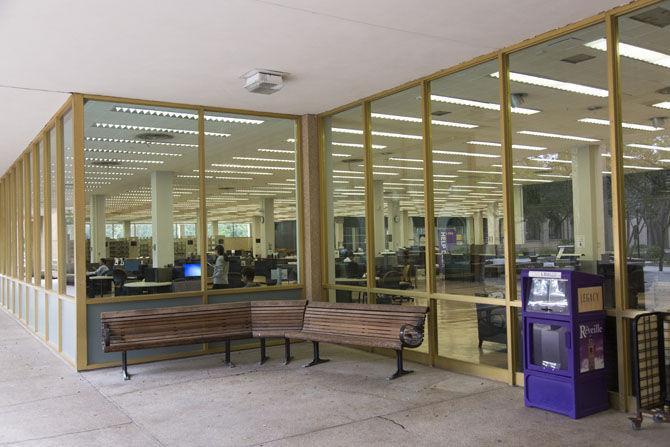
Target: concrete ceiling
{"points": [[195, 52]]}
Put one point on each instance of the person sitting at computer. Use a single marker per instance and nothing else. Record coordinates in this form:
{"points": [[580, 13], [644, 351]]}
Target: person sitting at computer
{"points": [[248, 275], [348, 256], [103, 270], [221, 267]]}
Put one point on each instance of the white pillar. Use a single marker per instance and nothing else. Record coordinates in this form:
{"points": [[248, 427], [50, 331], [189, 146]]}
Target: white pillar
{"points": [[492, 224], [98, 230], [378, 218], [268, 226], [126, 229], [519, 218], [478, 228], [257, 236], [406, 229], [339, 233], [215, 228], [162, 218], [394, 224], [587, 204], [469, 236]]}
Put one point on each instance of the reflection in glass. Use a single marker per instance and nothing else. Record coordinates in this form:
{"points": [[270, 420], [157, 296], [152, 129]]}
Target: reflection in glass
{"points": [[644, 48], [561, 174]]}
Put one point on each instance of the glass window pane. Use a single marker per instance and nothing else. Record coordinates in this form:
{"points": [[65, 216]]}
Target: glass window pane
{"points": [[398, 192], [561, 154], [250, 177], [644, 47], [467, 183], [53, 157], [346, 235], [42, 231], [139, 163]]}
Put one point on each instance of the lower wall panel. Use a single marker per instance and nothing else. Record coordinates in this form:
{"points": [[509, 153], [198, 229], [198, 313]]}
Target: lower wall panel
{"points": [[69, 329], [52, 303], [41, 313]]}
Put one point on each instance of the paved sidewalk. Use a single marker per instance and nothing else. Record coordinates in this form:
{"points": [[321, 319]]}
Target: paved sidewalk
{"points": [[346, 402]]}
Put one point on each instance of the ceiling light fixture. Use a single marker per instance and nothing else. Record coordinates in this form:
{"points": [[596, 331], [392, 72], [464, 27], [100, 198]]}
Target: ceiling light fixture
{"points": [[553, 83], [358, 145], [481, 105], [514, 146], [633, 52], [125, 140], [269, 160], [556, 135], [550, 160], [533, 168], [663, 105], [278, 151], [466, 154], [554, 175], [121, 151], [186, 115], [624, 125], [412, 119], [158, 129], [649, 146], [236, 166]]}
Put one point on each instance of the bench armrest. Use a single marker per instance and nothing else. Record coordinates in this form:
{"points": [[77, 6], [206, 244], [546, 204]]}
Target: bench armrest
{"points": [[412, 336]]}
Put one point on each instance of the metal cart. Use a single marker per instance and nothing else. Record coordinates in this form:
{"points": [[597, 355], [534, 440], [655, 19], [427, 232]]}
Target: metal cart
{"points": [[651, 348]]}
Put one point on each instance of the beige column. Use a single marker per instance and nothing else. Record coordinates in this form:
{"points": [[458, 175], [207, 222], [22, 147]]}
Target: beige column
{"points": [[311, 203], [98, 228], [126, 228], [162, 218], [587, 204], [519, 218], [478, 228], [394, 224], [378, 218]]}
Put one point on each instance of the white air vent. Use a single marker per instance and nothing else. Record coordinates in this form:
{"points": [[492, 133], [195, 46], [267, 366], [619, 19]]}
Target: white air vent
{"points": [[263, 81]]}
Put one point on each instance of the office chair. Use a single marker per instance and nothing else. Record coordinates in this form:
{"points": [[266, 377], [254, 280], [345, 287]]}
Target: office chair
{"points": [[119, 278], [235, 280]]}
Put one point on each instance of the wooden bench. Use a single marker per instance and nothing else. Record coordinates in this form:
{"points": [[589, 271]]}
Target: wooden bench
{"points": [[275, 319], [373, 325], [172, 326]]}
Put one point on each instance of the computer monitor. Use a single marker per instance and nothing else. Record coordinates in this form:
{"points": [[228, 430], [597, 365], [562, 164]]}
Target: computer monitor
{"points": [[131, 265], [192, 271]]}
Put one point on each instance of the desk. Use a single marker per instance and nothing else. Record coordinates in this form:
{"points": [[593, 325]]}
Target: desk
{"points": [[148, 285]]}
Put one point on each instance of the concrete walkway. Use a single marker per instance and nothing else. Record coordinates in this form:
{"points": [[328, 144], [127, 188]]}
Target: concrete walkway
{"points": [[346, 402]]}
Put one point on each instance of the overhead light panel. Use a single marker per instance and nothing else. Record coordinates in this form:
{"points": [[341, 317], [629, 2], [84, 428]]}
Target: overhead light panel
{"points": [[466, 154], [269, 160], [634, 52], [663, 105], [624, 125], [556, 135], [186, 115], [411, 119], [278, 151], [514, 146], [649, 146], [480, 104], [358, 145], [553, 83]]}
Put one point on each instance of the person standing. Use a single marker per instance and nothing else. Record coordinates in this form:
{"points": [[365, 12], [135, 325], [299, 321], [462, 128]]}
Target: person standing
{"points": [[221, 267]]}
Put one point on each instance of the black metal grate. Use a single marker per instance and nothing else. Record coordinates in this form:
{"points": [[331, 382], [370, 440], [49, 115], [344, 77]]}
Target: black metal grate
{"points": [[652, 336]]}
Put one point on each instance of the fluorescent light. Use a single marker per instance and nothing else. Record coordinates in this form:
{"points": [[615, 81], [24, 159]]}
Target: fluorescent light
{"points": [[217, 171], [475, 171], [534, 168], [269, 160], [158, 129], [121, 151], [236, 166], [536, 180], [624, 125], [186, 115], [473, 186], [633, 52], [644, 168], [514, 146], [340, 155], [466, 154], [556, 135], [397, 167], [445, 176], [349, 176], [447, 162], [414, 160], [376, 133], [480, 105], [412, 119], [120, 160], [553, 83], [277, 151], [358, 145], [125, 140], [649, 146], [550, 160], [628, 157], [663, 105], [554, 175]]}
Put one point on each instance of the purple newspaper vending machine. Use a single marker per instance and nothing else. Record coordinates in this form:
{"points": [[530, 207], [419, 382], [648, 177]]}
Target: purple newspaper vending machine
{"points": [[564, 331]]}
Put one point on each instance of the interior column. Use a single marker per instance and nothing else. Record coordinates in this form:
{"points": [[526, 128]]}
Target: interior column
{"points": [[406, 229], [378, 218], [162, 218], [98, 230], [126, 228], [394, 223], [587, 204], [339, 232], [519, 218], [478, 228], [267, 226], [256, 236]]}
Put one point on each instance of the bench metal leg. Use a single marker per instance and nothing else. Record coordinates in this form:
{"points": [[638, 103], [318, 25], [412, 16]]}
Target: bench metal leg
{"points": [[317, 359], [124, 365], [287, 351], [263, 356], [401, 371], [227, 361]]}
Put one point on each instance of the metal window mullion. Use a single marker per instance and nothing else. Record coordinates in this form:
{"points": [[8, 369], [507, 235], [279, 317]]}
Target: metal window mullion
{"points": [[60, 206], [369, 199], [618, 208], [37, 218], [508, 212], [202, 211], [79, 210]]}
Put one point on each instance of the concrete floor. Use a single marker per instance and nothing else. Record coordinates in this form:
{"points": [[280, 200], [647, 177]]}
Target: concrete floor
{"points": [[198, 402]]}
